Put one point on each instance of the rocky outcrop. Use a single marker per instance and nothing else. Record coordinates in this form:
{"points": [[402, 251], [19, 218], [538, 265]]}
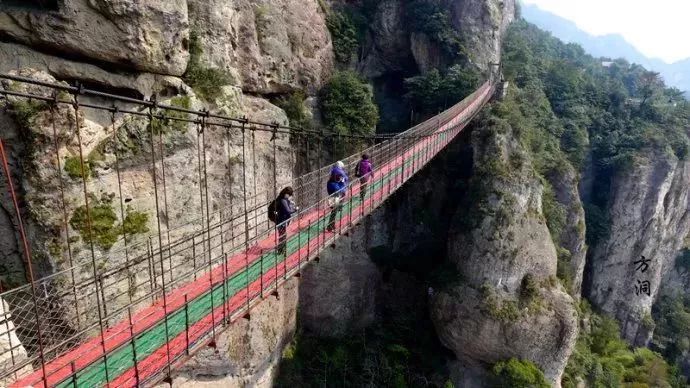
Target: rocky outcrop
{"points": [[482, 25], [17, 56], [268, 46], [12, 351], [508, 302], [391, 47], [247, 353], [150, 36], [339, 293], [649, 219], [387, 46], [573, 248]]}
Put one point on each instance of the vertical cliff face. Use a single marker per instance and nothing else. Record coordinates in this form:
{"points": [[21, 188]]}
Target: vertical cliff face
{"points": [[650, 217], [392, 46], [267, 46], [482, 25], [507, 302], [247, 354], [146, 36]]}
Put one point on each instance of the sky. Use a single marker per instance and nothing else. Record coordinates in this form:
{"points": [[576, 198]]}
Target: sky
{"points": [[659, 28]]}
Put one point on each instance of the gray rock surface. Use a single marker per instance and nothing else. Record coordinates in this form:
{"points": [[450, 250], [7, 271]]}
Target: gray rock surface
{"points": [[147, 35], [18, 56], [482, 24], [650, 217], [248, 351], [268, 46], [390, 46], [572, 237], [339, 294], [387, 45], [486, 317]]}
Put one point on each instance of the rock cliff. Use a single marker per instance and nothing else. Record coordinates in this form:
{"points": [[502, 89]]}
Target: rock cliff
{"points": [[508, 302], [649, 212]]}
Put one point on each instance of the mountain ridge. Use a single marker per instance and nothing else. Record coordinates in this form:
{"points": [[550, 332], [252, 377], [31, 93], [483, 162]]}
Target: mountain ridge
{"points": [[613, 46]]}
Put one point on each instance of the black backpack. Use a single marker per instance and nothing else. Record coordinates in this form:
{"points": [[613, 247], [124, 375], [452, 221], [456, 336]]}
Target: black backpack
{"points": [[272, 211]]}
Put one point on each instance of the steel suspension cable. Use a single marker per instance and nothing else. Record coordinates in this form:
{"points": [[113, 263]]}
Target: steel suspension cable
{"points": [[91, 234], [208, 232], [160, 240], [27, 256], [65, 226], [116, 151], [276, 229], [246, 215]]}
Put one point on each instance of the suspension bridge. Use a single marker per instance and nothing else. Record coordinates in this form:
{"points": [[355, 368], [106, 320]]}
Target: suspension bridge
{"points": [[131, 322]]}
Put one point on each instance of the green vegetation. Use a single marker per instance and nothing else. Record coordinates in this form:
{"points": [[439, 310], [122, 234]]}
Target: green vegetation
{"points": [[554, 212], [501, 309], [516, 373], [617, 113], [344, 34], [205, 81], [403, 352], [24, 111], [433, 91], [172, 120], [135, 222], [293, 105], [73, 168], [348, 108], [672, 330], [432, 18], [104, 229], [347, 25], [602, 359], [347, 104]]}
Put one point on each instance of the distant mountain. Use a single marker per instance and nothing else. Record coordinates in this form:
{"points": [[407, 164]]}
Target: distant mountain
{"points": [[608, 46]]}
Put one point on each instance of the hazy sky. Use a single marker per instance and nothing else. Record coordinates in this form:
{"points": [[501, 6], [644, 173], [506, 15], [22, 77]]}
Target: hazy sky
{"points": [[659, 28]]}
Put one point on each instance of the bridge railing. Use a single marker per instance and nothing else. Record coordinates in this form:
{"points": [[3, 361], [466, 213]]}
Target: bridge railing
{"points": [[159, 267]]}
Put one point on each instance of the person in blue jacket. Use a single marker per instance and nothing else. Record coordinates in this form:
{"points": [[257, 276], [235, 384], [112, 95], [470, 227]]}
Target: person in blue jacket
{"points": [[285, 208], [339, 169], [336, 188]]}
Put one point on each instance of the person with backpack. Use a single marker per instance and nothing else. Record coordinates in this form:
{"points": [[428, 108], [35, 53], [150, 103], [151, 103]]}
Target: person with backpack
{"points": [[364, 172], [336, 188], [283, 209]]}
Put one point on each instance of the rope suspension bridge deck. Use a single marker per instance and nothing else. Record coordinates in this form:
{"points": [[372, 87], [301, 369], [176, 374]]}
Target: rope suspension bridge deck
{"points": [[186, 303]]}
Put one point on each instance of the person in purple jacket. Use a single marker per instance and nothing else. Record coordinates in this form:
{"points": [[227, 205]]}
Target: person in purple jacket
{"points": [[364, 172]]}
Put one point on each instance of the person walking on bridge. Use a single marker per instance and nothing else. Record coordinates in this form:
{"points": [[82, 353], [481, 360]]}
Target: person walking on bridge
{"points": [[339, 169], [285, 209], [336, 188], [364, 172]]}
